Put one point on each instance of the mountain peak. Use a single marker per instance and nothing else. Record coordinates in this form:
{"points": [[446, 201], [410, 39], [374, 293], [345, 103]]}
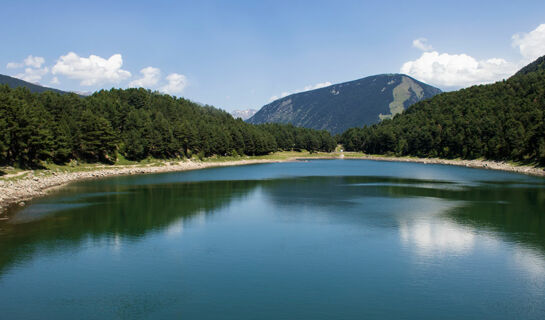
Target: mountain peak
{"points": [[349, 104]]}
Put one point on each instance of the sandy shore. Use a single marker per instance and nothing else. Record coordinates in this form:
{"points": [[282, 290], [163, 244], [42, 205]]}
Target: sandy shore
{"points": [[35, 185], [31, 185]]}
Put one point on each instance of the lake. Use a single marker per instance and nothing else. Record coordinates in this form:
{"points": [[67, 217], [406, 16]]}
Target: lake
{"points": [[321, 239]]}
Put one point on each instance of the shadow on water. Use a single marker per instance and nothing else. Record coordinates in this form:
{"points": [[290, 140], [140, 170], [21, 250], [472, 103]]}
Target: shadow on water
{"points": [[92, 212]]}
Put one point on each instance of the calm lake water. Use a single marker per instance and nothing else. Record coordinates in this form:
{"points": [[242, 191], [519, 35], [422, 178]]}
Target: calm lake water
{"points": [[324, 239]]}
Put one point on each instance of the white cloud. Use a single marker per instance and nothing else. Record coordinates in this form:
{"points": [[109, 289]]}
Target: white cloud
{"points": [[30, 61], [462, 70], [176, 83], [457, 70], [306, 88], [55, 80], [35, 62], [32, 75], [532, 44], [14, 65], [92, 70], [150, 77], [317, 86], [421, 43]]}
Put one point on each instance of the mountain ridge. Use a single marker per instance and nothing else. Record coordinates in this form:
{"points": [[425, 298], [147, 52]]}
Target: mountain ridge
{"points": [[13, 82], [348, 104]]}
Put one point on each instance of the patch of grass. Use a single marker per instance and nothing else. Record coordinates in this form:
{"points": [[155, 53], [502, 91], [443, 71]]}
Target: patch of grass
{"points": [[121, 160], [16, 177]]}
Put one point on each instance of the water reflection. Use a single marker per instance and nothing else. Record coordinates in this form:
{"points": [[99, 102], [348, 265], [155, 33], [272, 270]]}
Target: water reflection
{"points": [[437, 238], [341, 245], [433, 216], [122, 212], [530, 261]]}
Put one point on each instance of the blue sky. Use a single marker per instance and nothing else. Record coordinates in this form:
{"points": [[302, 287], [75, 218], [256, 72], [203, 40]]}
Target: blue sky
{"points": [[242, 54]]}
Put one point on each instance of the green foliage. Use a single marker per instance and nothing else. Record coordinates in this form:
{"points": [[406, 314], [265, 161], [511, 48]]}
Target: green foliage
{"points": [[502, 121], [133, 123], [289, 137]]}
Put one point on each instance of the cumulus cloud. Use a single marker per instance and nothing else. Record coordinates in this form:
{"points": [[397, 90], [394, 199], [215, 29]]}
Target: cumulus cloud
{"points": [[176, 83], [92, 70], [14, 65], [462, 70], [421, 43], [531, 44], [30, 61], [317, 86], [32, 75], [33, 71], [150, 77], [35, 62], [55, 80], [306, 88], [457, 70]]}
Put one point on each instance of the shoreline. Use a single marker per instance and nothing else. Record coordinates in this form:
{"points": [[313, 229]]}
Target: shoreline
{"points": [[476, 163], [32, 186]]}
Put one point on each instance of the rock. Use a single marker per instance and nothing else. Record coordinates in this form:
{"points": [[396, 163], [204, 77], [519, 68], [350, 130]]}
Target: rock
{"points": [[21, 204]]}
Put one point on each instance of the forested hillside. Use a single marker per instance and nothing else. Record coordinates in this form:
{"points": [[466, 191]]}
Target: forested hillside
{"points": [[135, 123], [501, 121]]}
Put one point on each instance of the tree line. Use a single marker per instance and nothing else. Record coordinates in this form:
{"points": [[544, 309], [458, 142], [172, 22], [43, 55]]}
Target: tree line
{"points": [[500, 121], [134, 123]]}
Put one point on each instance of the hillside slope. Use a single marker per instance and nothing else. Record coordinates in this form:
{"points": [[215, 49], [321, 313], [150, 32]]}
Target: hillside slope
{"points": [[34, 88], [350, 104], [500, 121]]}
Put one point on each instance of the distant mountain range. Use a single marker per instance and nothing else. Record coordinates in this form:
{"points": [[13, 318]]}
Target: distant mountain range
{"points": [[345, 105], [14, 83], [243, 114]]}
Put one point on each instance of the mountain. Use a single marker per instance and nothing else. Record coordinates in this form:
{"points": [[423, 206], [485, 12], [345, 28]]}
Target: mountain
{"points": [[500, 121], [243, 114], [345, 105], [34, 88]]}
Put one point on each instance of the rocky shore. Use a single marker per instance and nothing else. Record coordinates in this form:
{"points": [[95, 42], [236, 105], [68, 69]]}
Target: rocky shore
{"points": [[479, 164], [17, 191]]}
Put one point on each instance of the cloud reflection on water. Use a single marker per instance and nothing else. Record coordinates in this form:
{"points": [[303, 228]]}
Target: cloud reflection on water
{"points": [[436, 237]]}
